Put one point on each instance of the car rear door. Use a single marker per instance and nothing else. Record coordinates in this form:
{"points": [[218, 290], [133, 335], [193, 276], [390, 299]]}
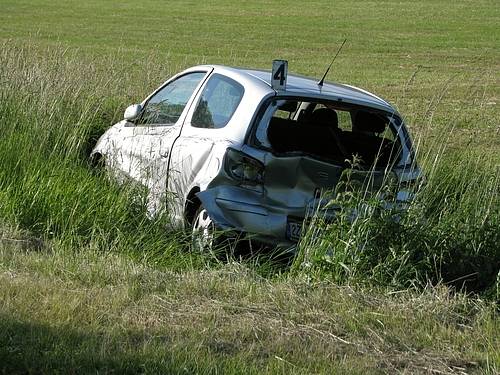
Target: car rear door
{"points": [[197, 154]]}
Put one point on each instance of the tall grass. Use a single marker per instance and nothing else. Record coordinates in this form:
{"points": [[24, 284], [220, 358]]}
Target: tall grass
{"points": [[54, 105], [450, 233]]}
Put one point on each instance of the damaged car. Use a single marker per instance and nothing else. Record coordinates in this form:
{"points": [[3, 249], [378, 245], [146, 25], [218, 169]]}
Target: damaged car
{"points": [[251, 151]]}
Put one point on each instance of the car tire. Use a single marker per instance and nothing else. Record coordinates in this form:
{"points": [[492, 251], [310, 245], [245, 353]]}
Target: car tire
{"points": [[202, 231]]}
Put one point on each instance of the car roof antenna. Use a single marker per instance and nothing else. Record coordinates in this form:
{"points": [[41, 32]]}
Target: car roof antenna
{"points": [[320, 83]]}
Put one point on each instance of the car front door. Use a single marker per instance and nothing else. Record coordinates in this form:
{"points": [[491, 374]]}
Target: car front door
{"points": [[149, 140]]}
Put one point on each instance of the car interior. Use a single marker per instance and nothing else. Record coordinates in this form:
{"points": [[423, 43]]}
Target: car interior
{"points": [[343, 135]]}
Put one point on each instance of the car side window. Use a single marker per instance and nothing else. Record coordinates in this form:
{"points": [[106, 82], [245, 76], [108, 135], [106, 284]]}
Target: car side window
{"points": [[166, 106], [218, 102]]}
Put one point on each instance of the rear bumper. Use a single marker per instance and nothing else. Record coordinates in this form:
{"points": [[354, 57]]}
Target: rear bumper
{"points": [[244, 210], [238, 209]]}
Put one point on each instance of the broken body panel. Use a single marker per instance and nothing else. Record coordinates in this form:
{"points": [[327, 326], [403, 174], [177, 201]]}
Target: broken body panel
{"points": [[258, 160]]}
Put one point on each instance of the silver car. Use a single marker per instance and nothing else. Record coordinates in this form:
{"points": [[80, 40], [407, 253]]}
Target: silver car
{"points": [[253, 151]]}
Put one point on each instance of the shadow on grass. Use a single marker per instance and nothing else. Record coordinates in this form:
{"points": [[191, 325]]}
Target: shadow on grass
{"points": [[34, 348]]}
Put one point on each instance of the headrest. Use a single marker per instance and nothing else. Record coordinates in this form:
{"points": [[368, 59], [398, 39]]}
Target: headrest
{"points": [[369, 122], [288, 106], [324, 117]]}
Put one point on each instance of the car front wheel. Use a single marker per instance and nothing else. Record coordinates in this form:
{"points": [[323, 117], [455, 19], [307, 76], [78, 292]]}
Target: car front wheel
{"points": [[202, 231]]}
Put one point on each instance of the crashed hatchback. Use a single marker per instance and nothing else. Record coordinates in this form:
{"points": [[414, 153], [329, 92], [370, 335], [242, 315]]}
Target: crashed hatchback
{"points": [[252, 151]]}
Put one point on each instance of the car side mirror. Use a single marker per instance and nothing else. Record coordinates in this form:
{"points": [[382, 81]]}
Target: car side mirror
{"points": [[132, 112]]}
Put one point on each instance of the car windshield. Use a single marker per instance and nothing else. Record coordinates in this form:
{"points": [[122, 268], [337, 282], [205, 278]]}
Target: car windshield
{"points": [[329, 131]]}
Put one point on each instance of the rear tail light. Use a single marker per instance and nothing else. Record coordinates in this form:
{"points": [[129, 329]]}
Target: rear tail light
{"points": [[241, 167]]}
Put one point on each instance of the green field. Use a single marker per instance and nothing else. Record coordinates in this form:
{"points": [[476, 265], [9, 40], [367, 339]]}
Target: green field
{"points": [[89, 285]]}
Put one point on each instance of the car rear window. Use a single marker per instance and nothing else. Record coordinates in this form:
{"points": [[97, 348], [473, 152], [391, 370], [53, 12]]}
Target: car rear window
{"points": [[218, 102], [330, 131]]}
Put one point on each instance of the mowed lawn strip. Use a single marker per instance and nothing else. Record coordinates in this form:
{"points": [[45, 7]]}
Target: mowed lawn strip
{"points": [[87, 312]]}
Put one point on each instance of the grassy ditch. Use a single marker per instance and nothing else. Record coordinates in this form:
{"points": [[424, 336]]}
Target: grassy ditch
{"points": [[448, 234], [54, 108], [51, 113]]}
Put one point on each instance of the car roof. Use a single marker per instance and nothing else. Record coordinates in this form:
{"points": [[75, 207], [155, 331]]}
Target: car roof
{"points": [[297, 85]]}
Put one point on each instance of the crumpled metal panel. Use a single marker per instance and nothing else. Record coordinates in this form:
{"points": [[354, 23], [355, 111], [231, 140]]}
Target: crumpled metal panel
{"points": [[289, 188], [292, 182], [294, 188]]}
